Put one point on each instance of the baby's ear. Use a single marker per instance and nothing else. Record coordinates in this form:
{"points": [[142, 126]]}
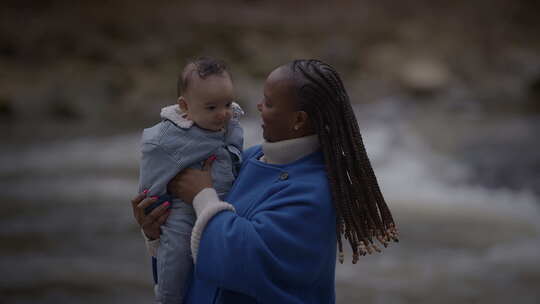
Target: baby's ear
{"points": [[182, 103]]}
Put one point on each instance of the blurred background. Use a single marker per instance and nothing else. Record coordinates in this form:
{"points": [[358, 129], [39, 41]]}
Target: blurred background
{"points": [[447, 95]]}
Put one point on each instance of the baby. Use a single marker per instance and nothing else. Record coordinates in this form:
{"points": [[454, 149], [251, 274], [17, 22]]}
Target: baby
{"points": [[203, 124]]}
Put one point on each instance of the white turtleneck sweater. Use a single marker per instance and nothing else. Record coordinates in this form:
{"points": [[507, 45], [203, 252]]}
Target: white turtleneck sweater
{"points": [[207, 204]]}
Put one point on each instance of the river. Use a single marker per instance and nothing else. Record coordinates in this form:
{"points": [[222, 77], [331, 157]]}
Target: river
{"points": [[68, 235]]}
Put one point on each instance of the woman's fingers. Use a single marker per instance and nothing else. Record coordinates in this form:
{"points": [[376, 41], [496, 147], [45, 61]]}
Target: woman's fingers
{"points": [[161, 220], [154, 216], [146, 202], [137, 199], [186, 184], [208, 163], [173, 185], [135, 203], [151, 223], [138, 210]]}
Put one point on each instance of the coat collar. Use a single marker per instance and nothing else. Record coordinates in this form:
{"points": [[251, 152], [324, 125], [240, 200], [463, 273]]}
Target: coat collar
{"points": [[287, 151]]}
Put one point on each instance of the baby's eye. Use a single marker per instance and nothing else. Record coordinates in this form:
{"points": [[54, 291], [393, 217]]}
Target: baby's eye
{"points": [[228, 105], [211, 108]]}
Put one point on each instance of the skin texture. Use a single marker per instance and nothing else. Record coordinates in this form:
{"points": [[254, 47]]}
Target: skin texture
{"points": [[207, 101], [149, 223], [281, 121], [279, 108]]}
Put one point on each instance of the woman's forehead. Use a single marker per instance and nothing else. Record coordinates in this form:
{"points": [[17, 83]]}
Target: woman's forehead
{"points": [[280, 81]]}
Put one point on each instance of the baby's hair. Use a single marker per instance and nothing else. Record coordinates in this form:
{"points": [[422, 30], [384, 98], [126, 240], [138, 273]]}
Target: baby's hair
{"points": [[204, 66], [362, 213]]}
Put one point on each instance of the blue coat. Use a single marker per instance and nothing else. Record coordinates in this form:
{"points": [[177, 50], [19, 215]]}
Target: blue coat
{"points": [[279, 246]]}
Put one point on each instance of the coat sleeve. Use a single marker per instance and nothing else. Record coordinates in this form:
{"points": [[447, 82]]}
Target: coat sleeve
{"points": [[283, 245]]}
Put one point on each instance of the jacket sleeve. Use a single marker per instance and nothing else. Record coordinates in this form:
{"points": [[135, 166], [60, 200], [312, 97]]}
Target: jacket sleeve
{"points": [[157, 168], [235, 133], [286, 244]]}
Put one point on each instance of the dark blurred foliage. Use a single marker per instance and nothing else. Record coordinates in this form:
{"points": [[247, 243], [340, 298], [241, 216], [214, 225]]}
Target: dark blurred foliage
{"points": [[449, 92], [114, 63]]}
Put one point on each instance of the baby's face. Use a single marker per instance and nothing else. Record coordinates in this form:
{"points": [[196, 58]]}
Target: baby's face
{"points": [[209, 101]]}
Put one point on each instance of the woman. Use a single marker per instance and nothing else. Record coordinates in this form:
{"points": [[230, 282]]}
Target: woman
{"points": [[309, 185]]}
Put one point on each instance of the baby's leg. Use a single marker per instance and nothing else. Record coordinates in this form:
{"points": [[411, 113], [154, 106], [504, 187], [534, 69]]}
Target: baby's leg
{"points": [[174, 262]]}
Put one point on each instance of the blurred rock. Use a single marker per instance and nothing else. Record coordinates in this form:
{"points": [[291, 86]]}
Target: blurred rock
{"points": [[533, 92], [60, 108], [424, 76], [6, 108], [414, 51], [118, 86], [8, 50]]}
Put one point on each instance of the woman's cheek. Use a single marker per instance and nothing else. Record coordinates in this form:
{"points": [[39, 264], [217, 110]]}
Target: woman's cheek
{"points": [[268, 116], [264, 117]]}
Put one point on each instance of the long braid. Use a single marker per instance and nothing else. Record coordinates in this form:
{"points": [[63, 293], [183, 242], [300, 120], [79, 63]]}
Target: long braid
{"points": [[361, 211], [329, 158]]}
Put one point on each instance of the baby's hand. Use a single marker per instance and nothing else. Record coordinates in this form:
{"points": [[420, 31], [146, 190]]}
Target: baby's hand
{"points": [[237, 111]]}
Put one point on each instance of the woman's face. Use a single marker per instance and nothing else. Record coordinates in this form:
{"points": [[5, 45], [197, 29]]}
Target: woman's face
{"points": [[278, 106]]}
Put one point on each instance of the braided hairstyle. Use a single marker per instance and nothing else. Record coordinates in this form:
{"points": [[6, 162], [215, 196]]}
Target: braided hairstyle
{"points": [[362, 213]]}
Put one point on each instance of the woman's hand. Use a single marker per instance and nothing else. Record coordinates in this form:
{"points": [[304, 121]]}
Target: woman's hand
{"points": [[189, 182], [150, 223]]}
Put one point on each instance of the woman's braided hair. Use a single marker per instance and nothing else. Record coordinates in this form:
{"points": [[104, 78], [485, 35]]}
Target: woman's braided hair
{"points": [[362, 213]]}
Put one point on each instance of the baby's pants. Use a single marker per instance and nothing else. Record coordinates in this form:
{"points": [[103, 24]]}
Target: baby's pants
{"points": [[174, 263]]}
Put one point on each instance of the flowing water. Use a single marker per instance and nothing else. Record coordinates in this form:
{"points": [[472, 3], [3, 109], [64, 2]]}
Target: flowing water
{"points": [[67, 234]]}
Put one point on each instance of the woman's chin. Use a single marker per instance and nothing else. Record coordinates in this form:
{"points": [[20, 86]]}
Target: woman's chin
{"points": [[268, 139]]}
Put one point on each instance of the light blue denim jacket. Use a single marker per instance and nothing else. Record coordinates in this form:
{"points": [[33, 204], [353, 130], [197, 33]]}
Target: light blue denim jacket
{"points": [[167, 148]]}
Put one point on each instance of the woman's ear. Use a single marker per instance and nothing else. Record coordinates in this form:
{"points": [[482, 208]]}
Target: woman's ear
{"points": [[302, 122], [182, 103]]}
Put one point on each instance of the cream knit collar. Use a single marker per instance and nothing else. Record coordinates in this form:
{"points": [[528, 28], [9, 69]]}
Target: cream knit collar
{"points": [[177, 116], [287, 151]]}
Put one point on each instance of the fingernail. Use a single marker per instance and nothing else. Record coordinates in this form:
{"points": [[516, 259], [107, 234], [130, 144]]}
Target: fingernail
{"points": [[167, 203], [145, 191], [154, 197], [212, 157]]}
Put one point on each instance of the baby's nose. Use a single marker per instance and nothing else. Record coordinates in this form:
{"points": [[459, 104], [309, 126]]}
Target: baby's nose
{"points": [[223, 114]]}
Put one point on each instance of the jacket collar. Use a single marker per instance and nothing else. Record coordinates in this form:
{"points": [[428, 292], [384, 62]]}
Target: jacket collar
{"points": [[175, 114]]}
